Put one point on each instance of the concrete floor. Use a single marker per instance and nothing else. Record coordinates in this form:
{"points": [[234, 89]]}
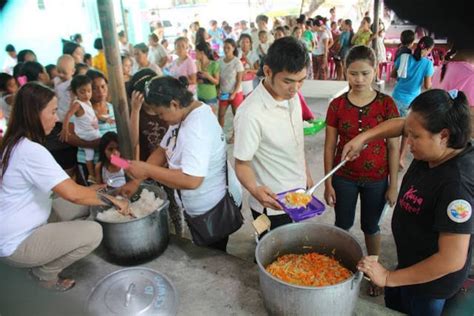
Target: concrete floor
{"points": [[242, 245]]}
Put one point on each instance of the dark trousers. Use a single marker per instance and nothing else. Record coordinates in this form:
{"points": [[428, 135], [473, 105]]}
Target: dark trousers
{"points": [[403, 300], [220, 245], [372, 201], [275, 220]]}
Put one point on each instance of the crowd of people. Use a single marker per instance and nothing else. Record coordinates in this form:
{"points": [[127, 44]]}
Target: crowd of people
{"points": [[61, 135]]}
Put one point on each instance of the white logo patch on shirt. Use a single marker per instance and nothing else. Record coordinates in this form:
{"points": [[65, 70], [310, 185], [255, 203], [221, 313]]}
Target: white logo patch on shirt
{"points": [[459, 211]]}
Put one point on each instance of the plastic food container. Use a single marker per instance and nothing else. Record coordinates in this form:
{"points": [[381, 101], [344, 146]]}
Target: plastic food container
{"points": [[317, 125], [314, 208], [224, 96]]}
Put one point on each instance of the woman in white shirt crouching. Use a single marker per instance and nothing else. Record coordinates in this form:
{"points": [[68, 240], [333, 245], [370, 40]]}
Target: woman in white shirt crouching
{"points": [[28, 177]]}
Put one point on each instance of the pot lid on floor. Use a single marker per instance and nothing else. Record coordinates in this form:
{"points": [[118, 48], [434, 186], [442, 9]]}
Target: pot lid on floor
{"points": [[133, 291]]}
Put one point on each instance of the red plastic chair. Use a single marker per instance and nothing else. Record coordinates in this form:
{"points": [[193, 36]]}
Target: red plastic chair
{"points": [[331, 68], [387, 66]]}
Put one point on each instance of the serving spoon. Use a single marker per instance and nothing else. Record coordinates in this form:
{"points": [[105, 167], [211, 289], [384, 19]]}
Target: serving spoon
{"points": [[310, 191]]}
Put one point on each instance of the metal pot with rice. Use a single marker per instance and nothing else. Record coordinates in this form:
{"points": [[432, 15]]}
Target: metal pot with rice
{"points": [[129, 240], [283, 298]]}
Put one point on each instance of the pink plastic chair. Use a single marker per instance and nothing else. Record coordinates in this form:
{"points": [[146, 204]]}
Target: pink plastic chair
{"points": [[331, 68], [386, 67]]}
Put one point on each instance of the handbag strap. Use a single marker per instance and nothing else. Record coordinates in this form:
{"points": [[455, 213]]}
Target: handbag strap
{"points": [[226, 175]]}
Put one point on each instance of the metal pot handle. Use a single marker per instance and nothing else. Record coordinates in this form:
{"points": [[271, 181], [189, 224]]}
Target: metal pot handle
{"points": [[129, 294], [357, 278], [261, 225]]}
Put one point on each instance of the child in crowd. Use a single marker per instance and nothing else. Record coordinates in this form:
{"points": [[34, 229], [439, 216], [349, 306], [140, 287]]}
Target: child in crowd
{"points": [[345, 40], [374, 174], [407, 40], [31, 71], [216, 35], [230, 85], [279, 32], [86, 124], [263, 43], [10, 60], [52, 71], [308, 37], [334, 51], [381, 51], [99, 62], [66, 69], [88, 60], [81, 69], [417, 75], [364, 34], [321, 50], [127, 65], [165, 44], [298, 34], [228, 33], [250, 61], [208, 75], [105, 171], [8, 88]]}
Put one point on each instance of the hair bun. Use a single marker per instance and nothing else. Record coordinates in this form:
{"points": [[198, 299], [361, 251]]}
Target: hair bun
{"points": [[183, 81]]}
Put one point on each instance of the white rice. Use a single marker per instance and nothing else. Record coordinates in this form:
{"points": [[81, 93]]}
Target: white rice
{"points": [[145, 205]]}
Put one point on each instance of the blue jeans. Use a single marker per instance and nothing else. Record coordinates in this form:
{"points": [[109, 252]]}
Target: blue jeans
{"points": [[372, 201], [210, 102], [403, 300], [402, 107]]}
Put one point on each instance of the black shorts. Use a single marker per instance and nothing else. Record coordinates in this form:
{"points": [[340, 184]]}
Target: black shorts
{"points": [[64, 154]]}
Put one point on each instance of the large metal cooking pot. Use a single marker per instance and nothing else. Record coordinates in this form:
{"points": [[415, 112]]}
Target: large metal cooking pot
{"points": [[282, 298], [139, 239]]}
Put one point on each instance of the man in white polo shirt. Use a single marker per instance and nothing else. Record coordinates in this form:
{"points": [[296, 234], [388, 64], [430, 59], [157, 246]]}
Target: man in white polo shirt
{"points": [[269, 142]]}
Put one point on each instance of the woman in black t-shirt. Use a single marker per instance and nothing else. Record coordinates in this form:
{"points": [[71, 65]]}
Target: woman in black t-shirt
{"points": [[432, 222]]}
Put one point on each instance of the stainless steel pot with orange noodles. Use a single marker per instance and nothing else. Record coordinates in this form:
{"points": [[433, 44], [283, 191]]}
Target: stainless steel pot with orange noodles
{"points": [[308, 268]]}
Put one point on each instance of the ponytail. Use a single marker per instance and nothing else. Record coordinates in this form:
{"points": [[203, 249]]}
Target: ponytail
{"points": [[206, 49], [449, 55], [30, 71], [445, 110], [183, 80], [424, 43]]}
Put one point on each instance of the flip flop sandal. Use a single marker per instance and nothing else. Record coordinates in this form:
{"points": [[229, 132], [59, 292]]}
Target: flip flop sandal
{"points": [[59, 285]]}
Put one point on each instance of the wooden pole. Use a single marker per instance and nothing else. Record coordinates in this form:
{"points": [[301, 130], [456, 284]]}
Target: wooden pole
{"points": [[124, 19], [376, 22], [250, 12], [301, 8], [114, 68]]}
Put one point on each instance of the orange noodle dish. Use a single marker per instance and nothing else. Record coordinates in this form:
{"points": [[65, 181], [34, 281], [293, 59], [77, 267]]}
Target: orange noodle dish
{"points": [[311, 269], [297, 199]]}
